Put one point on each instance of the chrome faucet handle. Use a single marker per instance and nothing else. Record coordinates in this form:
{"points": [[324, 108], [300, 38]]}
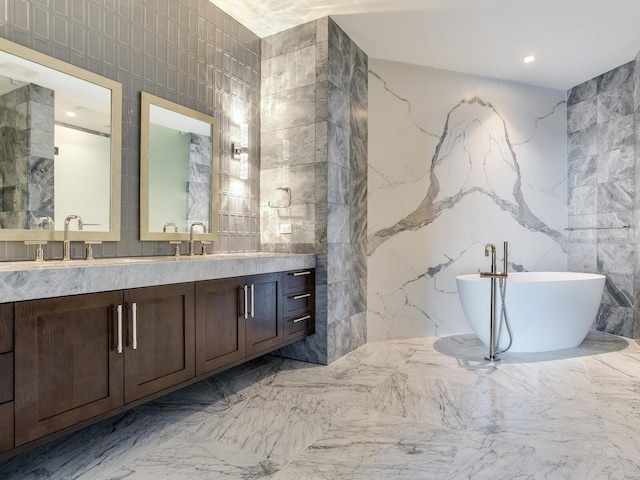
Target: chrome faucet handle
{"points": [[204, 244]]}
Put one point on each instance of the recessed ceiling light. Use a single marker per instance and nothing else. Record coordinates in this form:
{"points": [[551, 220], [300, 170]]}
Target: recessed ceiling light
{"points": [[71, 114], [529, 59]]}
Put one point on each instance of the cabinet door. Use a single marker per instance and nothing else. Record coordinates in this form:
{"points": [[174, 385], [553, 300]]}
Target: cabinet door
{"points": [[67, 365], [263, 321], [220, 328], [159, 350]]}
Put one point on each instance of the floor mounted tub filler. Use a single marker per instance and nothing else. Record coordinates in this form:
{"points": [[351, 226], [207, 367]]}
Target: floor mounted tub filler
{"points": [[546, 310]]}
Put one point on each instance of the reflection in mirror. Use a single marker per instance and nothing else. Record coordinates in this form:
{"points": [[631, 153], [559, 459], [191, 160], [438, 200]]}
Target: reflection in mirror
{"points": [[179, 163], [60, 130]]}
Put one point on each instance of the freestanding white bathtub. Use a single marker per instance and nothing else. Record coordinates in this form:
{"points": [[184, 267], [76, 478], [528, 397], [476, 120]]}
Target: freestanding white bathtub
{"points": [[547, 310]]}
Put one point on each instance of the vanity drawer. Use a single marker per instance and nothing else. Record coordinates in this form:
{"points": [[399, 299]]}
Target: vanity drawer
{"points": [[299, 281], [6, 377], [6, 327], [304, 324], [298, 304]]}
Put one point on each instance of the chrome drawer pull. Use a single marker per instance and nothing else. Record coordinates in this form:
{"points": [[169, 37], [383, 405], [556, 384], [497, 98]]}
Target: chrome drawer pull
{"points": [[297, 274], [302, 319], [253, 302], [119, 328], [134, 311], [246, 302], [298, 297]]}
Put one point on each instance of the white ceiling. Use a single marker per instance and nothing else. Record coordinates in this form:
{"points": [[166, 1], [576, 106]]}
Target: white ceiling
{"points": [[573, 40]]}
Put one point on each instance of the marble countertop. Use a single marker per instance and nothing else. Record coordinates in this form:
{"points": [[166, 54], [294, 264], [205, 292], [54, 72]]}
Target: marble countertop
{"points": [[30, 280]]}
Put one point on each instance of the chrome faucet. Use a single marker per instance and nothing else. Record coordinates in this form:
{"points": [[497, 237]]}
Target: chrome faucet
{"points": [[170, 224], [489, 248], [66, 245], [40, 223], [191, 229]]}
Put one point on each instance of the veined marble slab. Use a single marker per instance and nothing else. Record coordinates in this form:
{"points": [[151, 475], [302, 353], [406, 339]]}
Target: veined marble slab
{"points": [[455, 162], [30, 280]]}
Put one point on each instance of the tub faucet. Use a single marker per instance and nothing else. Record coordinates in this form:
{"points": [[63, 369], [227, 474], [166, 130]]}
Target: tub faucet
{"points": [[191, 241], [66, 245], [490, 247]]}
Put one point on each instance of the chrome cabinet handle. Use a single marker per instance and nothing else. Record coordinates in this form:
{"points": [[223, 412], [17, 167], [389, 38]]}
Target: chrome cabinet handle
{"points": [[119, 328], [298, 297], [253, 302], [246, 303], [302, 319], [134, 314], [297, 274]]}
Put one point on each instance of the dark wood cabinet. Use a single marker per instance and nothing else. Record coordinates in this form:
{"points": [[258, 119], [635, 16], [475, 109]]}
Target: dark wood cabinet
{"points": [[72, 360], [263, 314], [159, 351], [67, 364], [220, 325], [299, 304], [6, 377]]}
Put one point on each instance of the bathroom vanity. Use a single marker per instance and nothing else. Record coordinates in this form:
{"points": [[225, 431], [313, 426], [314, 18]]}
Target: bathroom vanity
{"points": [[89, 339]]}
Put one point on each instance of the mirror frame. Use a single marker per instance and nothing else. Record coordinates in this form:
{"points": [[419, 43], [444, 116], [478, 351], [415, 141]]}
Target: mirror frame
{"points": [[115, 154], [146, 100]]}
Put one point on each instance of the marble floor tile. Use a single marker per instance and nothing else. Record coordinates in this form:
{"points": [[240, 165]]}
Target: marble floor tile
{"points": [[274, 423], [424, 408], [371, 445], [94, 451], [186, 459]]}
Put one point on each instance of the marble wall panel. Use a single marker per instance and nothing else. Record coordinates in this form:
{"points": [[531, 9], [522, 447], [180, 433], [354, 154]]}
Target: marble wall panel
{"points": [[582, 257], [339, 84], [289, 71], [616, 196], [583, 171], [616, 77], [618, 133], [583, 143], [616, 202], [582, 115], [618, 163], [455, 162], [582, 92], [615, 103]]}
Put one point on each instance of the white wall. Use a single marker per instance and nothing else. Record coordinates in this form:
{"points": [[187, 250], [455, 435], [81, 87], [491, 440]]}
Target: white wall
{"points": [[456, 161]]}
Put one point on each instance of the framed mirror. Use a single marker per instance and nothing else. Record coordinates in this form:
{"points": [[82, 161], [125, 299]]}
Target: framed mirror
{"points": [[179, 165], [60, 138]]}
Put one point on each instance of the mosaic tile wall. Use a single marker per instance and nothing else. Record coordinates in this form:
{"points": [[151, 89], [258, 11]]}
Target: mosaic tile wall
{"points": [[601, 190], [187, 51], [314, 142]]}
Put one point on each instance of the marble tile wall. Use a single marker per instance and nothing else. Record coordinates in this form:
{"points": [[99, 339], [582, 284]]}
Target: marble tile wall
{"points": [[636, 213], [187, 51], [26, 164], [199, 180], [455, 162], [314, 141], [601, 190]]}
